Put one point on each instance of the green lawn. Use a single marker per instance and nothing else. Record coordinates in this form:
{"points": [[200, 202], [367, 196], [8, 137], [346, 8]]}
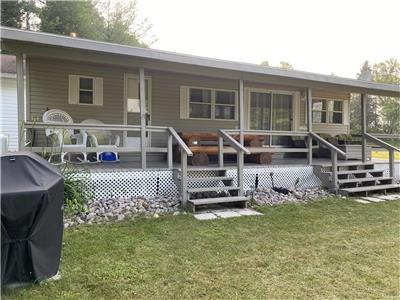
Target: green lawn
{"points": [[327, 249]]}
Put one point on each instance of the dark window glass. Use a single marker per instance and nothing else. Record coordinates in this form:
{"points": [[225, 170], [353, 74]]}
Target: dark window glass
{"points": [[337, 106], [224, 97], [199, 111], [86, 97], [337, 118], [225, 112], [85, 83], [319, 105], [200, 95]]}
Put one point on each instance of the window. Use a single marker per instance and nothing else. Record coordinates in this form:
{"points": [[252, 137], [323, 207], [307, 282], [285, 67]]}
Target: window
{"points": [[200, 103], [205, 103], [327, 111], [85, 90], [225, 103]]}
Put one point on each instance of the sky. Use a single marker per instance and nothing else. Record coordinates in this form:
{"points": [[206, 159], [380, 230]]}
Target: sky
{"points": [[325, 36]]}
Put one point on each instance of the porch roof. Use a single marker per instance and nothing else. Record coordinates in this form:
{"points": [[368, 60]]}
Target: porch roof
{"points": [[307, 79]]}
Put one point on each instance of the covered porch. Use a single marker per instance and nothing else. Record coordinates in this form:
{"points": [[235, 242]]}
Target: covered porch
{"points": [[149, 98]]}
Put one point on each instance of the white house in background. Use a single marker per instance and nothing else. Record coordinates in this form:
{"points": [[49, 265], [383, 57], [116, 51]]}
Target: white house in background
{"points": [[8, 101]]}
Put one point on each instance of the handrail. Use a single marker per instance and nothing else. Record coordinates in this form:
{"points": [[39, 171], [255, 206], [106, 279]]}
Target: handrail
{"points": [[381, 143], [181, 143], [326, 143], [231, 141], [111, 127], [385, 135], [268, 132]]}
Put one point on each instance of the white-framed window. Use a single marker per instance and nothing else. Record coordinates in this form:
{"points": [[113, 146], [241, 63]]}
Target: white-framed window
{"points": [[327, 111], [85, 90], [208, 103]]}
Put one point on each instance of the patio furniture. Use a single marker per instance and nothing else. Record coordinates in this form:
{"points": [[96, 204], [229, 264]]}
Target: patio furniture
{"points": [[64, 138], [102, 138], [204, 144]]}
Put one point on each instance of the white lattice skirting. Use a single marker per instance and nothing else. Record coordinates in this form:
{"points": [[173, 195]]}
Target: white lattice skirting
{"points": [[155, 182]]}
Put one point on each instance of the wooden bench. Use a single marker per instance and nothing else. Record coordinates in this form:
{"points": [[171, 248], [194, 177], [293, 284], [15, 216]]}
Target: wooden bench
{"points": [[204, 144]]}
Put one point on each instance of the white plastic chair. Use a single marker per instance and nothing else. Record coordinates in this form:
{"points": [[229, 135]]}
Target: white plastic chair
{"points": [[99, 138], [64, 137]]}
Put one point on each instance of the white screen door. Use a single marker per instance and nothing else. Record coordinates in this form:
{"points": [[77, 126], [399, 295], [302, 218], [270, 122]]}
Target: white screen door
{"points": [[132, 108]]}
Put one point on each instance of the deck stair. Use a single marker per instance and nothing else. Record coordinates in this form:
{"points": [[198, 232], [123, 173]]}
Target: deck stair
{"points": [[355, 178], [208, 186]]}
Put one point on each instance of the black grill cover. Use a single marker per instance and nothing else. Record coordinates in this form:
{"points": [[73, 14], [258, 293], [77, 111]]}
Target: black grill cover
{"points": [[32, 196]]}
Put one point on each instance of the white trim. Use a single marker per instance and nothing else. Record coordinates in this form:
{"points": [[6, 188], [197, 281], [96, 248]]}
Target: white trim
{"points": [[212, 103]]}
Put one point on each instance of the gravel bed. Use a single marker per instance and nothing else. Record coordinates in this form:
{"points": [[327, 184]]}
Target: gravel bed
{"points": [[268, 196], [120, 208]]}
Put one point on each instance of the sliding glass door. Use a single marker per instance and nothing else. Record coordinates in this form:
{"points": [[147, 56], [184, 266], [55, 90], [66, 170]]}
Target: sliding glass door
{"points": [[271, 111]]}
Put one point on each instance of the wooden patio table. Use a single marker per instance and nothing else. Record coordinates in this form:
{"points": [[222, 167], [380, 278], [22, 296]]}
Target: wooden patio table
{"points": [[203, 144]]}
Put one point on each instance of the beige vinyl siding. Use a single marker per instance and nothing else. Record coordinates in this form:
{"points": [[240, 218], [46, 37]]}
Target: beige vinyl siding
{"points": [[49, 89], [166, 101]]}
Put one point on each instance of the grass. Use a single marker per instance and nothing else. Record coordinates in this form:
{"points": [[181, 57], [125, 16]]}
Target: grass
{"points": [[326, 249], [384, 155]]}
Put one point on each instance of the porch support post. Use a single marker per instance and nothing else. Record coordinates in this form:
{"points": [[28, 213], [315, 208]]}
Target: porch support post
{"points": [[20, 99], [240, 163], [142, 96], [309, 125], [220, 152], [241, 111], [391, 163], [334, 175], [170, 157], [363, 127], [184, 178]]}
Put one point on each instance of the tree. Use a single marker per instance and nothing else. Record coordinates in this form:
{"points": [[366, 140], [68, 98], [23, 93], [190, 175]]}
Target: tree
{"points": [[389, 107], [383, 113], [121, 24], [20, 14], [65, 17]]}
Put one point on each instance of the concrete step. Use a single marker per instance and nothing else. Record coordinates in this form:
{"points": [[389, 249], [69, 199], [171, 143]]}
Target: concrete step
{"points": [[206, 179], [368, 179], [213, 189], [207, 201], [360, 189]]}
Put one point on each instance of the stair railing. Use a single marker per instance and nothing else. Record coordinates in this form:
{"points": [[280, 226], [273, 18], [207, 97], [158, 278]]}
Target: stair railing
{"points": [[240, 151], [334, 157], [185, 152], [386, 146]]}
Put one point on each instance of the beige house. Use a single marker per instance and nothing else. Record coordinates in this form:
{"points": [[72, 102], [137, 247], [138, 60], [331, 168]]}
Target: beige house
{"points": [[147, 95]]}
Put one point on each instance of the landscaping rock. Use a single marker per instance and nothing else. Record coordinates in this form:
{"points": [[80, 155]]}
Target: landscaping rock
{"points": [[267, 196], [105, 210]]}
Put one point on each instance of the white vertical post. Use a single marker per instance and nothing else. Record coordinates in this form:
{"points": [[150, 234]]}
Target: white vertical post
{"points": [[142, 96], [334, 175], [220, 151], [391, 163], [309, 125], [363, 127], [170, 160], [240, 162], [184, 178], [241, 111], [20, 99]]}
